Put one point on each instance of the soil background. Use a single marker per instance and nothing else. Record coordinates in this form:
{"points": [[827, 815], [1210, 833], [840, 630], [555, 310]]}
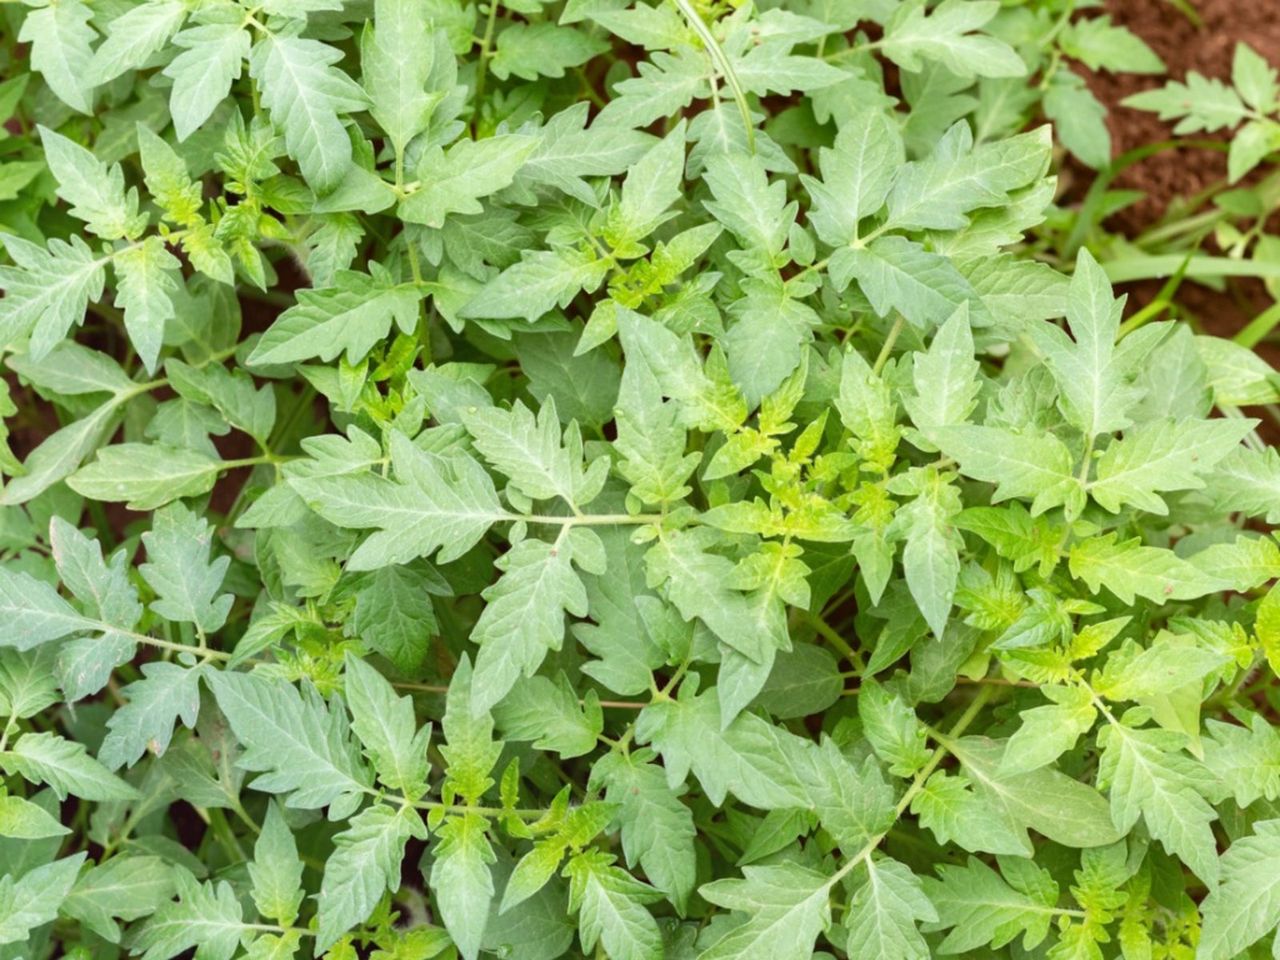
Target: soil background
{"points": [[1207, 48]]}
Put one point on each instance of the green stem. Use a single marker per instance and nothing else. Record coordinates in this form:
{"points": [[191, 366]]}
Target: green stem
{"points": [[717, 54]]}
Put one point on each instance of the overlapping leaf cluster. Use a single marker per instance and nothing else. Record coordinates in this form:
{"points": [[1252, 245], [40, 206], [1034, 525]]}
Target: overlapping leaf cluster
{"points": [[602, 479]]}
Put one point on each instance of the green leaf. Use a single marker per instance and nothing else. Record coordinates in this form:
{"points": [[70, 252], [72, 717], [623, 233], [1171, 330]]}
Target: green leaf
{"points": [[365, 864], [1049, 731], [945, 35], [892, 729], [305, 94], [65, 766], [32, 900], [1129, 569], [548, 713], [882, 918], [434, 504], [1245, 907], [462, 879], [296, 743], [122, 888], [211, 60], [353, 315], [395, 616], [542, 49], [385, 724], [146, 280], [133, 37], [1032, 466], [787, 907], [94, 191], [34, 612], [397, 54], [60, 38], [980, 908], [47, 291], [899, 274], [471, 751], [946, 378], [206, 916], [610, 906], [524, 617], [749, 757], [455, 181], [657, 828], [537, 284], [166, 694], [1148, 776], [146, 475], [542, 460], [1161, 456], [1047, 801], [179, 570]]}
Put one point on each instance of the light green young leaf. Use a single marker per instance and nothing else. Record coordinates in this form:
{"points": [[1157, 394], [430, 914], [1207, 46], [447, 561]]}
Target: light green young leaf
{"points": [[462, 880], [276, 870]]}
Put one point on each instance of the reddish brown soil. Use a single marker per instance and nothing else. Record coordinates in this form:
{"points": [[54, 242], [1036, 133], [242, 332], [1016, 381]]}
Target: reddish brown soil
{"points": [[1183, 46]]}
